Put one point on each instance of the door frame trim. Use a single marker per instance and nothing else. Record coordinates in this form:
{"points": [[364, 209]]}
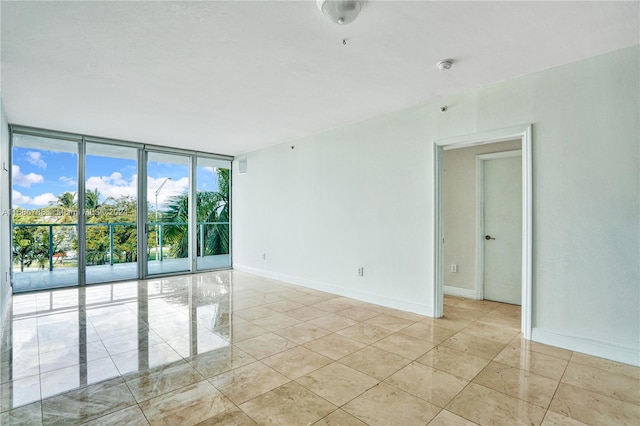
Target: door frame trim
{"points": [[480, 159], [524, 133]]}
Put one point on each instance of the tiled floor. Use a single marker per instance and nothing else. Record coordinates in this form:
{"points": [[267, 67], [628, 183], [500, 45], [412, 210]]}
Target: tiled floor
{"points": [[231, 348]]}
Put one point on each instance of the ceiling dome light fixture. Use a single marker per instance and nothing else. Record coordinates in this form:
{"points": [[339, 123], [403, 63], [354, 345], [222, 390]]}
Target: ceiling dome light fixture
{"points": [[341, 12]]}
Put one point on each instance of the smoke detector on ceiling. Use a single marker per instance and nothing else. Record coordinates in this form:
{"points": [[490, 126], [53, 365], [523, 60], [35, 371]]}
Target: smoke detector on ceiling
{"points": [[445, 64]]}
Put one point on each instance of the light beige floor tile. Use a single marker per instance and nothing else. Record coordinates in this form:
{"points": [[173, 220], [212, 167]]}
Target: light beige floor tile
{"points": [[554, 419], [265, 345], [302, 333], [518, 383], [532, 346], [514, 311], [426, 382], [479, 346], [137, 360], [480, 305], [375, 362], [332, 322], [26, 415], [458, 363], [131, 416], [219, 361], [306, 313], [337, 383], [498, 333], [460, 312], [613, 385], [276, 322], [19, 392], [359, 313], [254, 313], [70, 378], [296, 362], [390, 322], [428, 332], [496, 319], [339, 418], [87, 403], [605, 364], [400, 314], [248, 381], [313, 299], [592, 408], [535, 362], [290, 404], [189, 405], [405, 346], [234, 416], [159, 381], [284, 305], [387, 405], [451, 300], [447, 418], [246, 330], [334, 305], [334, 346], [365, 333], [488, 407]]}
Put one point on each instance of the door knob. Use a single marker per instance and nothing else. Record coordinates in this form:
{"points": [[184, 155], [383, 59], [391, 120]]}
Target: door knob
{"points": [[488, 237]]}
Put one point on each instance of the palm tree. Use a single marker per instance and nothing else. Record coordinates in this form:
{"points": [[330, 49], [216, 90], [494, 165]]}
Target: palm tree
{"points": [[212, 207], [23, 246], [92, 199]]}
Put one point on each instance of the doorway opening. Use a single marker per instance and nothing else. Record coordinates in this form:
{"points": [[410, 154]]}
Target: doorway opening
{"points": [[468, 281]]}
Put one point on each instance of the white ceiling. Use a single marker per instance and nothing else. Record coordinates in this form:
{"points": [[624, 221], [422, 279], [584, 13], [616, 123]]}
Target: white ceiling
{"points": [[230, 76]]}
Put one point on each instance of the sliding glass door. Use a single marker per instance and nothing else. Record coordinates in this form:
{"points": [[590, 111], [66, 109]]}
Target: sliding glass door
{"points": [[168, 198], [111, 204]]}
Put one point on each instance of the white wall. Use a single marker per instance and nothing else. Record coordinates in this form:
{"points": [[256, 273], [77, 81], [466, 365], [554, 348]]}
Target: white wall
{"points": [[362, 195], [459, 213], [5, 230]]}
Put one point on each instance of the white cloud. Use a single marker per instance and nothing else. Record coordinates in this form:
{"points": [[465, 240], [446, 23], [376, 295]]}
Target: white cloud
{"points": [[35, 158], [43, 199], [114, 186], [18, 178], [18, 199], [68, 180], [170, 189]]}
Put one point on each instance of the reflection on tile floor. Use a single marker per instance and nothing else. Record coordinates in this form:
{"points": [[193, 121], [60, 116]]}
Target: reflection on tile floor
{"points": [[232, 348]]}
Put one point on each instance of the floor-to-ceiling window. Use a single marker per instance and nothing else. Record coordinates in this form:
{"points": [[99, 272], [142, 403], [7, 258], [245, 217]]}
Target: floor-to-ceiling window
{"points": [[111, 205], [44, 193], [213, 178], [77, 220]]}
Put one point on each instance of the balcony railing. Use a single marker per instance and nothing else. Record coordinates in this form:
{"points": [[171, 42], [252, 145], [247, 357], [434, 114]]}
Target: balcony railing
{"points": [[49, 239]]}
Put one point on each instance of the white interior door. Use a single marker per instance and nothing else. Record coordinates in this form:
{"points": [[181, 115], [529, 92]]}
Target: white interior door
{"points": [[502, 214]]}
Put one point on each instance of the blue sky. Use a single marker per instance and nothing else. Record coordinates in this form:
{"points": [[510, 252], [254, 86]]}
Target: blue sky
{"points": [[39, 176]]}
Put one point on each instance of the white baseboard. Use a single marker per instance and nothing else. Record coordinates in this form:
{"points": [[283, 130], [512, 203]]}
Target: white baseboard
{"points": [[624, 354], [403, 305], [459, 292]]}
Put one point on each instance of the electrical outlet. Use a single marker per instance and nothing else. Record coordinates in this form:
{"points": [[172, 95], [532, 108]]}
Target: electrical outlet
{"points": [[264, 256], [361, 271], [454, 267]]}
